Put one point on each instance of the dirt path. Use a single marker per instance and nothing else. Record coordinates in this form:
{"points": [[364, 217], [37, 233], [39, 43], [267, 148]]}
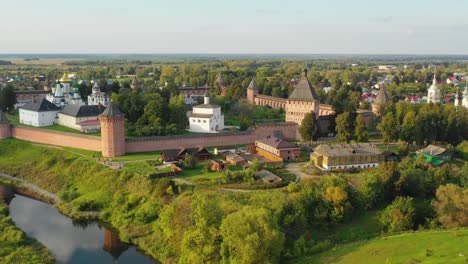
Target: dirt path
{"points": [[32, 187], [179, 180], [296, 168]]}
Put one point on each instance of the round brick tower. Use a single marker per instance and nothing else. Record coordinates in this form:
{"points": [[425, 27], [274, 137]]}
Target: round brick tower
{"points": [[5, 127], [112, 132]]}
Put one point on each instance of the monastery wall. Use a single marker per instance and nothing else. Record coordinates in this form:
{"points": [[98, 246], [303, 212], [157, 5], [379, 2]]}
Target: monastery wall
{"points": [[288, 130], [56, 138]]}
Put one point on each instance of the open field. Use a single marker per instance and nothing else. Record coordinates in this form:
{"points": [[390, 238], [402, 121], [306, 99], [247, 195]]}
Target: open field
{"points": [[420, 247]]}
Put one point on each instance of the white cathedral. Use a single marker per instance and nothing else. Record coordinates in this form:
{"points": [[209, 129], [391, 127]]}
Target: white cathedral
{"points": [[63, 94]]}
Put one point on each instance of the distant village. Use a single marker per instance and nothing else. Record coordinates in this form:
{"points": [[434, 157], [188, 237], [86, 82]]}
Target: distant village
{"points": [[60, 103]]}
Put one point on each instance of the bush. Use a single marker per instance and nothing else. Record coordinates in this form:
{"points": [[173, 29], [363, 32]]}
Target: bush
{"points": [[399, 215]]}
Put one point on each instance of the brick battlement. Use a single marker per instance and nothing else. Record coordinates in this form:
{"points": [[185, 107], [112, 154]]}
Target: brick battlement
{"points": [[115, 146], [57, 138], [287, 129]]}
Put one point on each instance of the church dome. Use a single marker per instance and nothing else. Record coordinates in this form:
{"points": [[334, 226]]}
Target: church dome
{"points": [[65, 78]]}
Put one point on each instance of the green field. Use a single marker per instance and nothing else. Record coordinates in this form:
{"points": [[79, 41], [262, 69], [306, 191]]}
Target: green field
{"points": [[418, 247]]}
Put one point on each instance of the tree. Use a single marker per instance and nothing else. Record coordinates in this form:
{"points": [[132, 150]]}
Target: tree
{"points": [[451, 205], [251, 235], [309, 127], [245, 122], [360, 132], [7, 98], [399, 215], [409, 127], [388, 127], [344, 127], [338, 198], [177, 112], [189, 161], [201, 243]]}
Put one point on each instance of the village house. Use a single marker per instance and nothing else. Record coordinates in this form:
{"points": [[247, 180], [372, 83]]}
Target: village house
{"points": [[81, 117], [277, 149], [38, 114], [235, 159], [207, 117], [175, 155], [346, 156], [436, 151]]}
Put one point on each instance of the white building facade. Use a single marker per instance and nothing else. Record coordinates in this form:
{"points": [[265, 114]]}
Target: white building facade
{"points": [[97, 97], [206, 118], [43, 113]]}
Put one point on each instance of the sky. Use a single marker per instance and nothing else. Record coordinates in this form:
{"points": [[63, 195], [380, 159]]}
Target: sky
{"points": [[236, 26]]}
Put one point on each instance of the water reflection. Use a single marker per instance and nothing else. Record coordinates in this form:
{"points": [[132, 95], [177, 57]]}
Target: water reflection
{"points": [[71, 242]]}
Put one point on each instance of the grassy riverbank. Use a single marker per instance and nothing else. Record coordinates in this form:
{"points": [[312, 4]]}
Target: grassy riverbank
{"points": [[175, 223], [15, 246]]}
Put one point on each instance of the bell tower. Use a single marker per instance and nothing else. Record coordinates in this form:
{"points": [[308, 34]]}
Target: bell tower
{"points": [[112, 132]]}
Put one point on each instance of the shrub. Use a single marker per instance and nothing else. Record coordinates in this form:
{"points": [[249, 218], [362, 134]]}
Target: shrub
{"points": [[399, 215], [451, 205]]}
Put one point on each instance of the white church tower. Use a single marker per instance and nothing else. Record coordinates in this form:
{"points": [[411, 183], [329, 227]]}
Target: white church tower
{"points": [[433, 94], [465, 97]]}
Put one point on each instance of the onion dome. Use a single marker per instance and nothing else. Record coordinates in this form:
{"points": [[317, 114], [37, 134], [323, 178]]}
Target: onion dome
{"points": [[65, 78]]}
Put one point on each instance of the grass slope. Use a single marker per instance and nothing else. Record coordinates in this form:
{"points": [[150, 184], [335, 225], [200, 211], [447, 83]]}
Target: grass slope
{"points": [[419, 247]]}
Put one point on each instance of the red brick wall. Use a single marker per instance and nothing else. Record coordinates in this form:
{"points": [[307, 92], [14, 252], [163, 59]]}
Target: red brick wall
{"points": [[5, 131], [57, 138], [206, 140]]}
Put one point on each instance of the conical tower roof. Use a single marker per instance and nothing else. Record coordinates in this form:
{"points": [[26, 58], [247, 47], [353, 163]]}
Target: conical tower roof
{"points": [[304, 90], [220, 80], [111, 111], [253, 84], [382, 97]]}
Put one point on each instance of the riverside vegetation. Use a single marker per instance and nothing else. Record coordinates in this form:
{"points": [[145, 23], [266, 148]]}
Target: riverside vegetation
{"points": [[15, 246], [180, 224]]}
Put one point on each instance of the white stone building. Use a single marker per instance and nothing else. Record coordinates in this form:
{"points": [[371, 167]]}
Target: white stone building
{"points": [[433, 93], [39, 114], [206, 118], [97, 97], [81, 117], [465, 97]]}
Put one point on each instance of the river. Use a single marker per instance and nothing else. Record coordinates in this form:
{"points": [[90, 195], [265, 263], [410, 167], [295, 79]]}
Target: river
{"points": [[69, 241]]}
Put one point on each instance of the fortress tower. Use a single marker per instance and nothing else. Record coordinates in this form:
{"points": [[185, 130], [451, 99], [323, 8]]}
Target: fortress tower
{"points": [[112, 132], [302, 101], [252, 91], [5, 128], [381, 99]]}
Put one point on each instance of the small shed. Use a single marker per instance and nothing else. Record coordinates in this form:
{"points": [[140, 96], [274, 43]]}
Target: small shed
{"points": [[235, 159], [268, 177]]}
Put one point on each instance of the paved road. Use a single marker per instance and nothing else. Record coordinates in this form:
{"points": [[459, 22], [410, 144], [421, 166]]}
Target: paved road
{"points": [[296, 168]]}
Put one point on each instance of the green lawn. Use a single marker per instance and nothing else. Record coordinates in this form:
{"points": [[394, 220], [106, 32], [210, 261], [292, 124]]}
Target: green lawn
{"points": [[418, 247]]}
